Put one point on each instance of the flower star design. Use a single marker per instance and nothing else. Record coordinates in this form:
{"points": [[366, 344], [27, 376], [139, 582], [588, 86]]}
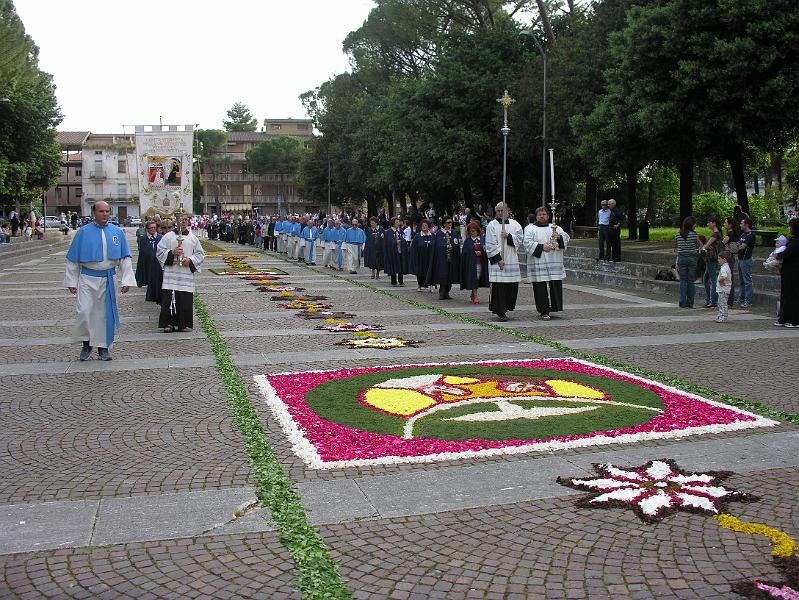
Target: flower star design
{"points": [[656, 489]]}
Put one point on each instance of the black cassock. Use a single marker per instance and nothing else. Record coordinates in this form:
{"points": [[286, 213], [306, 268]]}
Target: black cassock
{"points": [[469, 261], [395, 257], [373, 248], [421, 256], [148, 270], [446, 258]]}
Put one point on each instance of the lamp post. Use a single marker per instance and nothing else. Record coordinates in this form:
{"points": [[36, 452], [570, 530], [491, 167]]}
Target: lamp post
{"points": [[538, 45]]}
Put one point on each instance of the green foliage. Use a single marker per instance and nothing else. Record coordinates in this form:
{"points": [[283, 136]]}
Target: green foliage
{"points": [[211, 145], [765, 209], [319, 577], [712, 203], [240, 119], [30, 160], [282, 155]]}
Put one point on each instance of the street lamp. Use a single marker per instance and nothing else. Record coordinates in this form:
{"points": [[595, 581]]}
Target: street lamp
{"points": [[532, 34]]}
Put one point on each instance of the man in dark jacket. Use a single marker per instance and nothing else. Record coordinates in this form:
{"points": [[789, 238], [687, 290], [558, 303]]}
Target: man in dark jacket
{"points": [[446, 259], [614, 231]]}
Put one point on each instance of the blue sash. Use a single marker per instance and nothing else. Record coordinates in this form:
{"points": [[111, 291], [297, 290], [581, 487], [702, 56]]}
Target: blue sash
{"points": [[111, 313]]}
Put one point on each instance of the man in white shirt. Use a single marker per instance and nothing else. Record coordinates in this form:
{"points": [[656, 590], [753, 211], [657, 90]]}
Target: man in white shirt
{"points": [[603, 221]]}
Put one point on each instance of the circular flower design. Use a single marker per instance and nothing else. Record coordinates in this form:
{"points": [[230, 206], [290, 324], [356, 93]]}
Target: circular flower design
{"points": [[656, 489]]}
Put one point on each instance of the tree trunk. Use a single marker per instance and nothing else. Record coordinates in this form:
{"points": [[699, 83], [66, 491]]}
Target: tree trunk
{"points": [[735, 156], [632, 203], [778, 170], [756, 184], [651, 203], [517, 199], [590, 208], [468, 196], [371, 205], [542, 11], [686, 187]]}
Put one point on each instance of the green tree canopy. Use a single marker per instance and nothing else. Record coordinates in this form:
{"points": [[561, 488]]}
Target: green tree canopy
{"points": [[240, 119], [30, 159]]}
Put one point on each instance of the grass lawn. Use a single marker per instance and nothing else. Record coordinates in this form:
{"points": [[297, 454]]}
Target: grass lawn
{"points": [[666, 234]]}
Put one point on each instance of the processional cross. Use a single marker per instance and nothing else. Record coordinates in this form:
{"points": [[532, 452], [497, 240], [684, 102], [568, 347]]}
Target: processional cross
{"points": [[506, 101]]}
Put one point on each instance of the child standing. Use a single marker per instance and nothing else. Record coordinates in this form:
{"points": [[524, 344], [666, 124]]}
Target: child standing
{"points": [[723, 285]]}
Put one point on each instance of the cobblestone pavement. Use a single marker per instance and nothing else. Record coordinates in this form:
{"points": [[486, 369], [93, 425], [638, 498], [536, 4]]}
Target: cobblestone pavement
{"points": [[153, 434]]}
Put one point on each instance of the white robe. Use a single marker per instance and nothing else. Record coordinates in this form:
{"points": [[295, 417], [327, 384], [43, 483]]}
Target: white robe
{"points": [[90, 299], [177, 277], [496, 245], [549, 266]]}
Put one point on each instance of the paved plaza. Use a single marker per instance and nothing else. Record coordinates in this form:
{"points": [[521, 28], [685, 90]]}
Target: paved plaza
{"points": [[130, 479]]}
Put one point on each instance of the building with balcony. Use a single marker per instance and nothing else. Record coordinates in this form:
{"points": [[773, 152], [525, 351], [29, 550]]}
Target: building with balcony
{"points": [[66, 195], [109, 173], [240, 190]]}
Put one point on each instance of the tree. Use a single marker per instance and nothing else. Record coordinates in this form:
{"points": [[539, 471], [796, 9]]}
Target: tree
{"points": [[211, 158], [240, 119], [30, 159], [282, 155]]}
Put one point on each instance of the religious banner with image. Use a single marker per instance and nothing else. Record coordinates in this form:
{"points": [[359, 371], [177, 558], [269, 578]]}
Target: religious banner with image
{"points": [[164, 159]]}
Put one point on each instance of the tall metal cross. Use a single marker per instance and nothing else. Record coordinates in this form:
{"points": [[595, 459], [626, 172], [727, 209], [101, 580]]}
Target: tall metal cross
{"points": [[506, 101]]}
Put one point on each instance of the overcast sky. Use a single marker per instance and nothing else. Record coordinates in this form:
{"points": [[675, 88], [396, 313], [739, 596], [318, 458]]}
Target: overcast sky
{"points": [[121, 63]]}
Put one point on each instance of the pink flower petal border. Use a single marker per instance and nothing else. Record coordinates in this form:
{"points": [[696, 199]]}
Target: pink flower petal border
{"points": [[322, 444]]}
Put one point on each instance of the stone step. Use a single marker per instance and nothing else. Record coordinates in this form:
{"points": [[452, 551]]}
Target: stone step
{"points": [[764, 298], [17, 248], [762, 282]]}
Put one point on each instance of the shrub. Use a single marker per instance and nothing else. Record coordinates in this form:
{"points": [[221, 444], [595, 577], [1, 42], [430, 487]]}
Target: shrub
{"points": [[711, 203], [765, 210]]}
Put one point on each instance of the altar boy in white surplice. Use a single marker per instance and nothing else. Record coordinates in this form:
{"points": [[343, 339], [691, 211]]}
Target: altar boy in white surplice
{"points": [[545, 266], [181, 255]]}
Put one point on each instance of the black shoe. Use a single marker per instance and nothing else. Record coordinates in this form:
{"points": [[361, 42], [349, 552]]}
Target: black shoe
{"points": [[503, 317], [85, 352], [104, 354]]}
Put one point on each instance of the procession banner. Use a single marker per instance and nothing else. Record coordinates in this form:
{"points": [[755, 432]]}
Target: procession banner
{"points": [[164, 159]]}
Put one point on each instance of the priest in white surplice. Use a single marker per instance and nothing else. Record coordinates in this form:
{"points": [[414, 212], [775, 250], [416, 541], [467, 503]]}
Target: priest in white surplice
{"points": [[181, 256], [96, 251], [545, 266], [504, 274]]}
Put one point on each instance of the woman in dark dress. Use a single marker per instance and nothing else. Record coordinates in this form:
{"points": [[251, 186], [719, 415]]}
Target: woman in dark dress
{"points": [[474, 262], [789, 278], [421, 257], [373, 248]]}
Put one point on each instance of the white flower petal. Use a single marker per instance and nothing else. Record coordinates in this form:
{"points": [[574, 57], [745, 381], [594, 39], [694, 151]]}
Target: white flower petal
{"points": [[708, 490], [697, 501], [604, 484], [692, 478], [625, 495], [652, 504], [660, 470], [617, 472]]}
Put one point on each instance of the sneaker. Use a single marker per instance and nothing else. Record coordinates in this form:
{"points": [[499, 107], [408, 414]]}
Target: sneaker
{"points": [[85, 352], [721, 320], [778, 324], [104, 354], [503, 317], [791, 325]]}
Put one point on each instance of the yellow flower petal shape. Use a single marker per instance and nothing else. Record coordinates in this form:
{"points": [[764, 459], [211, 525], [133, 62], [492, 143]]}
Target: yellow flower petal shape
{"points": [[455, 380], [570, 389], [398, 402]]}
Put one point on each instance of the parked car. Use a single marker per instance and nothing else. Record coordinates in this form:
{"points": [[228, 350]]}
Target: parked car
{"points": [[114, 220], [53, 223], [84, 220], [132, 222]]}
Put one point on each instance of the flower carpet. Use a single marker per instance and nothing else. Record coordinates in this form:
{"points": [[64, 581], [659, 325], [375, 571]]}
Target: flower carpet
{"points": [[432, 412]]}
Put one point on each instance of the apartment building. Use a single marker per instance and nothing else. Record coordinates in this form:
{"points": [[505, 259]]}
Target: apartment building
{"points": [[66, 195], [109, 173], [240, 190]]}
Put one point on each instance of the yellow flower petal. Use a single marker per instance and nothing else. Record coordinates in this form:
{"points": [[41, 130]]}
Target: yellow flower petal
{"points": [[398, 402]]}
